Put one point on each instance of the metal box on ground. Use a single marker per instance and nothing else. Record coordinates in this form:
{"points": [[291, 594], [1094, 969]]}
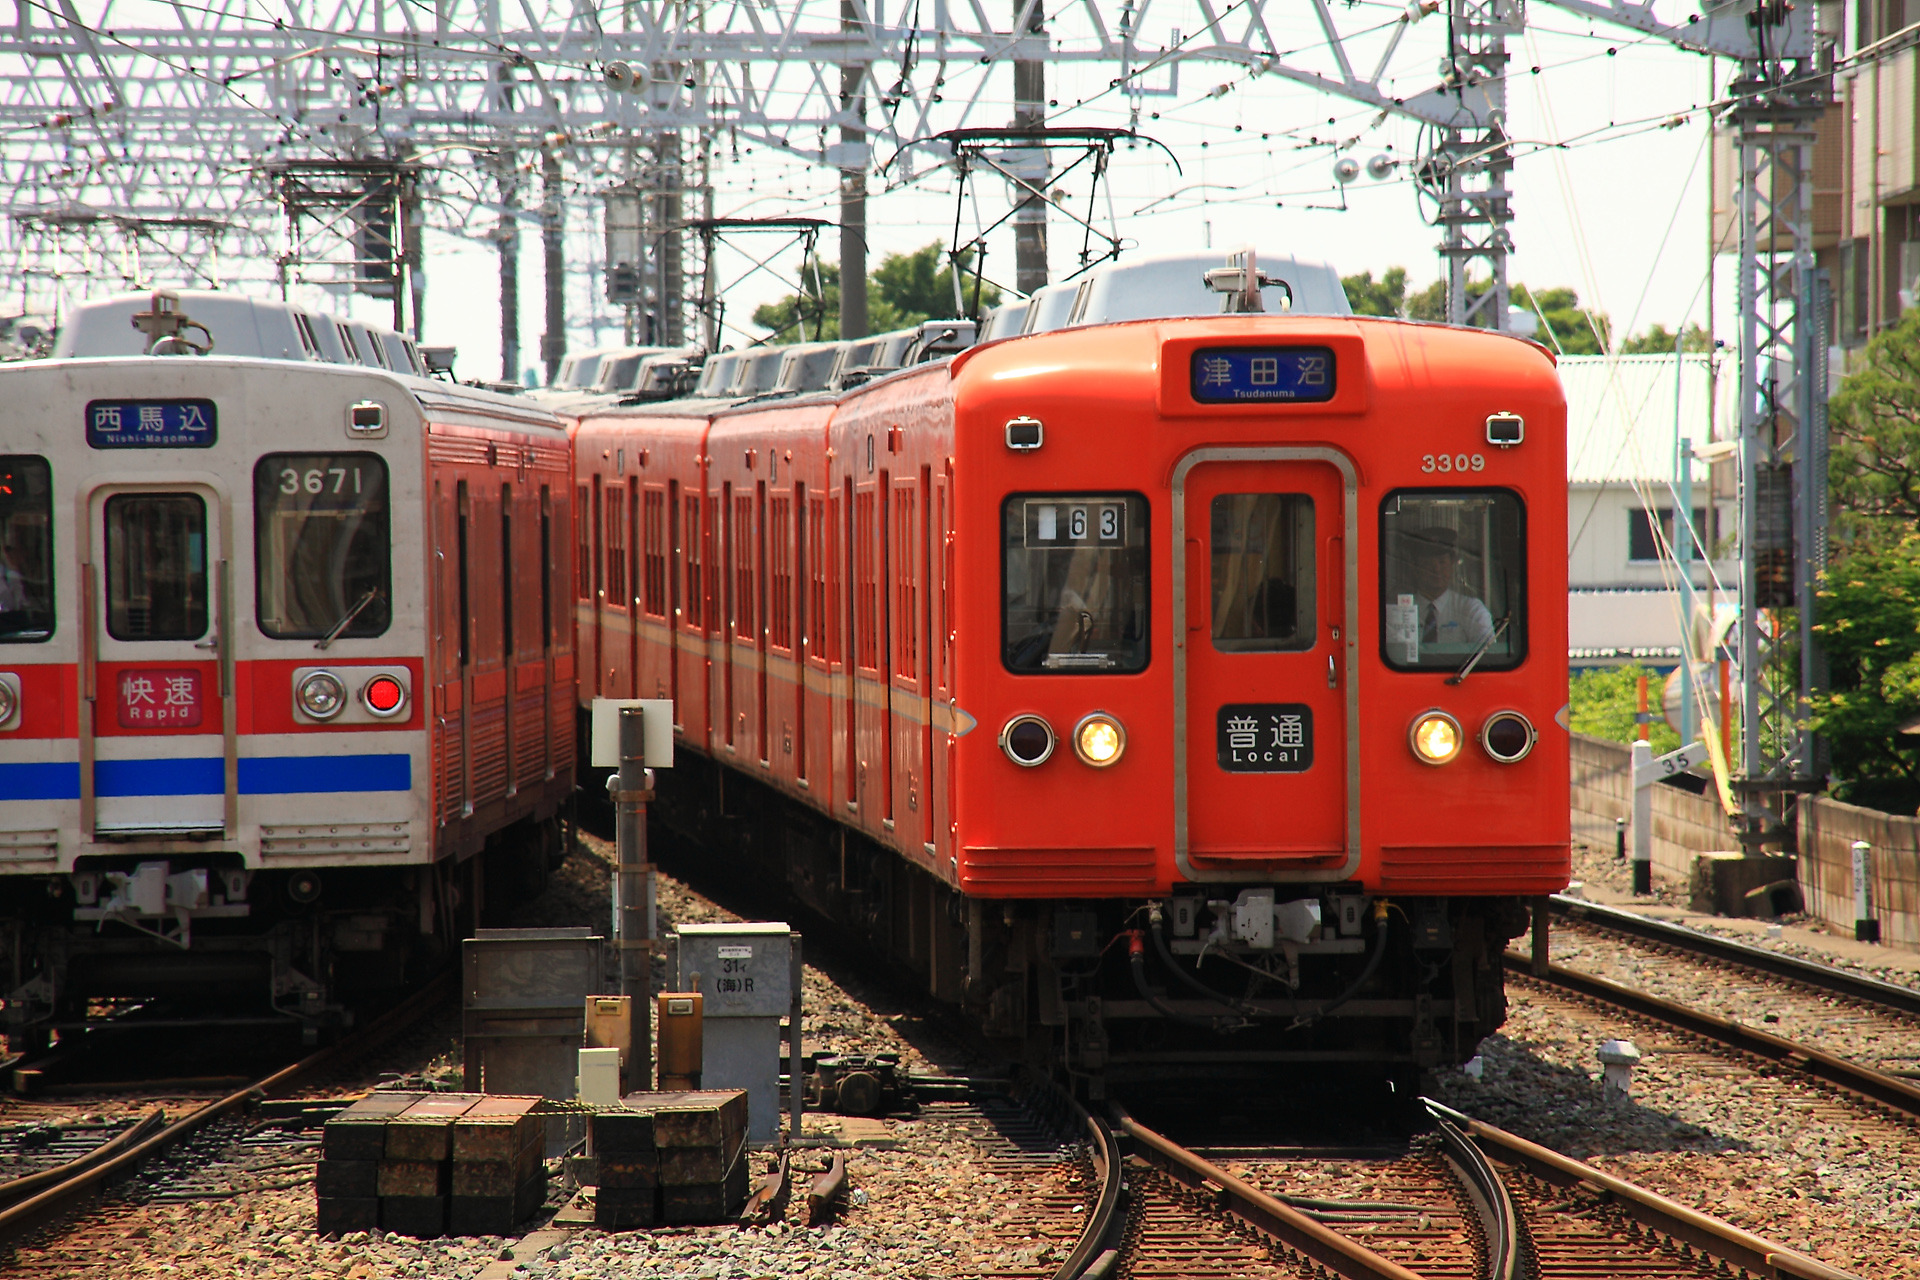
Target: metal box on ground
{"points": [[525, 995], [681, 1020], [745, 977]]}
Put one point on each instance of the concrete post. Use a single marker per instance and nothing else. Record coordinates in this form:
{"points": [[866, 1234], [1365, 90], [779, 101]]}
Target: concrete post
{"points": [[1865, 927], [630, 790], [1642, 820], [796, 1054], [1619, 839]]}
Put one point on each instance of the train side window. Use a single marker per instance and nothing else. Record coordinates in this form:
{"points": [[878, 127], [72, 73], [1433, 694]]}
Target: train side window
{"points": [[696, 591], [654, 531], [1453, 578], [322, 550], [619, 591], [1074, 585], [780, 570], [1262, 550], [582, 544], [26, 549], [156, 566], [547, 567]]}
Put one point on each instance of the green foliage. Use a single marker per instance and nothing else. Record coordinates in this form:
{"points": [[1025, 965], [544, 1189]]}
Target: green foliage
{"points": [[905, 289], [1605, 699], [1658, 340], [1874, 426], [1869, 611], [1386, 296]]}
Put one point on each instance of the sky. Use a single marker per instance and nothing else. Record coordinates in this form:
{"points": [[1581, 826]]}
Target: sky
{"points": [[1611, 186]]}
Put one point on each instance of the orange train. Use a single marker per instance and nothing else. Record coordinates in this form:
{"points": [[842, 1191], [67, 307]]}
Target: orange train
{"points": [[1170, 691]]}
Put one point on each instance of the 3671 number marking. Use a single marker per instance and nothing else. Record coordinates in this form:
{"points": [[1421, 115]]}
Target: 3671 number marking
{"points": [[1432, 462]]}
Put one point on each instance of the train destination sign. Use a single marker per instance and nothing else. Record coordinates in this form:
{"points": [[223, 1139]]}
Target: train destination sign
{"points": [[1265, 737], [151, 424], [1262, 375]]}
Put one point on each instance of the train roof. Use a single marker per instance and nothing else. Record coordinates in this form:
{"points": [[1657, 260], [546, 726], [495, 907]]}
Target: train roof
{"points": [[441, 401]]}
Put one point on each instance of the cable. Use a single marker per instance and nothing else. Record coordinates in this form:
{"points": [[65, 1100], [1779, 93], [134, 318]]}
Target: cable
{"points": [[1366, 974], [1137, 965]]}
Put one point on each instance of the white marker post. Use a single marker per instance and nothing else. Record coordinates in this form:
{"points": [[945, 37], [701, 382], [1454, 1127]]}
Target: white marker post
{"points": [[1865, 927], [1646, 771]]}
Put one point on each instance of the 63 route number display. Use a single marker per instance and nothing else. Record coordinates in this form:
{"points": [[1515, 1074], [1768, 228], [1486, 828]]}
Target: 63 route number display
{"points": [[1444, 462]]}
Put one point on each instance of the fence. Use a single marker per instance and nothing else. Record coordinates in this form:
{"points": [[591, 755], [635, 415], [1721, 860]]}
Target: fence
{"points": [[1828, 829], [1684, 825]]}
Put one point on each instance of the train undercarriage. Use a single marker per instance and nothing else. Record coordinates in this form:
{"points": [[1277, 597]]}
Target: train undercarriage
{"points": [[1243, 980], [198, 939]]}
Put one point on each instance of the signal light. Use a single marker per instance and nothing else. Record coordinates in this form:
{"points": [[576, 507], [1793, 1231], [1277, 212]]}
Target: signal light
{"points": [[1099, 740], [1027, 740], [321, 695], [1507, 736], [1435, 738], [384, 696]]}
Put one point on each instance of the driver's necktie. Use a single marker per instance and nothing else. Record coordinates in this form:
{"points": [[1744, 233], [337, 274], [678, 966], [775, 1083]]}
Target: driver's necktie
{"points": [[1430, 629]]}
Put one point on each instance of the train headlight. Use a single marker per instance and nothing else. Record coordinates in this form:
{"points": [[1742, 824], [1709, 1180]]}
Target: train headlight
{"points": [[321, 695], [1436, 738], [1099, 740], [1027, 740], [1507, 736], [384, 696]]}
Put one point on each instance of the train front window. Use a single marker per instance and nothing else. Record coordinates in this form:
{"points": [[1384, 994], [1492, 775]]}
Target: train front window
{"points": [[1262, 552], [26, 549], [1453, 579], [322, 552], [156, 566], [1075, 583]]}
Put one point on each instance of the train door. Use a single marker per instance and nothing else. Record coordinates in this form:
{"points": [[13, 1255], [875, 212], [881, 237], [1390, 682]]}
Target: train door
{"points": [[1264, 608], [157, 669]]}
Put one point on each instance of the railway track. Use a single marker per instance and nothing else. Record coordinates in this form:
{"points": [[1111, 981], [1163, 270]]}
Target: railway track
{"points": [[36, 1200], [1471, 1202]]}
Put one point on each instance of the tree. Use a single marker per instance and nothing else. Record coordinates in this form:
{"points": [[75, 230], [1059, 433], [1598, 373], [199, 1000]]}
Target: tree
{"points": [[1386, 296], [1658, 340], [1869, 624], [1874, 441], [1604, 701], [904, 290], [1568, 328]]}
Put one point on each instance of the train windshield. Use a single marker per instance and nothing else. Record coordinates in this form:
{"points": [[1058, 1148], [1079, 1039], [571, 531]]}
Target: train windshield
{"points": [[1075, 583], [321, 547], [26, 549], [1453, 579]]}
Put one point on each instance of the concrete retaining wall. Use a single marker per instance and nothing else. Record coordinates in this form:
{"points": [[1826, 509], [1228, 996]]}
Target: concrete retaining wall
{"points": [[1828, 829], [1684, 825]]}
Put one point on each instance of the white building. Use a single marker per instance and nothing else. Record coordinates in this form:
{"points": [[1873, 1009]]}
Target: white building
{"points": [[1623, 428]]}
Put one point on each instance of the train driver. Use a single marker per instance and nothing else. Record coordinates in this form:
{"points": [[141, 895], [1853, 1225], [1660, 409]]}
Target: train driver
{"points": [[1448, 617]]}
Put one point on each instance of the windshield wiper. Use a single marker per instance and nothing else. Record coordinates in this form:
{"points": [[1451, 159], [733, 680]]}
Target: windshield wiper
{"points": [[346, 620], [1479, 653]]}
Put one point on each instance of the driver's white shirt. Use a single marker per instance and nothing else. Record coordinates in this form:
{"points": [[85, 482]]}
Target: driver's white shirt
{"points": [[1461, 621]]}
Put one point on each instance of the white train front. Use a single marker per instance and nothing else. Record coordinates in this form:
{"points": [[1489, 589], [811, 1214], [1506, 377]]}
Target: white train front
{"points": [[284, 664]]}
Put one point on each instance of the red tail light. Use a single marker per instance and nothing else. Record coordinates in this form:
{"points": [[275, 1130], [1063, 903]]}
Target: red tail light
{"points": [[384, 696]]}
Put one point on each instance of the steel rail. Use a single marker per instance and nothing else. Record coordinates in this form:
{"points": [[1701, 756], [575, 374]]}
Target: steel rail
{"points": [[1092, 1255], [27, 1184], [1721, 1239], [1492, 1202], [1811, 973], [37, 1209], [1262, 1212], [1842, 1073]]}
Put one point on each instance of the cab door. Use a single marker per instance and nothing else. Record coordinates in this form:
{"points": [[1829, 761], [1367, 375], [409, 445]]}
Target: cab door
{"points": [[156, 675], [1264, 607]]}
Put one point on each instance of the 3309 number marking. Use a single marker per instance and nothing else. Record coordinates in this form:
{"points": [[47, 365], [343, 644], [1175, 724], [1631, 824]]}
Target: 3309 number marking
{"points": [[1432, 462]]}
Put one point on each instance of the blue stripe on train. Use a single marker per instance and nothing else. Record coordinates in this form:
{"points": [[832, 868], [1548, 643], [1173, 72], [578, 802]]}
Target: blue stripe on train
{"points": [[200, 776]]}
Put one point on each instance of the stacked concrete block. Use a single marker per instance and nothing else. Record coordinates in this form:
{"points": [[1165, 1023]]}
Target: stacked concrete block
{"points": [[499, 1166], [430, 1164], [352, 1145], [671, 1158]]}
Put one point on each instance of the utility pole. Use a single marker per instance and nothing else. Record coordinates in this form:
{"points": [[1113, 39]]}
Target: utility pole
{"points": [[1030, 112], [507, 240], [853, 191], [1473, 161], [553, 235]]}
